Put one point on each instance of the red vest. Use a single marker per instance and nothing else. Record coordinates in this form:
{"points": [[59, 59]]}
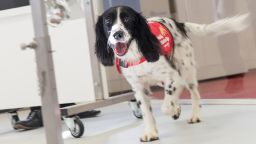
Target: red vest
{"points": [[164, 36]]}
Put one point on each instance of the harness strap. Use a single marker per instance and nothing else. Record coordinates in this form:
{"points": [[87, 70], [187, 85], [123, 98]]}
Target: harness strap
{"points": [[127, 64]]}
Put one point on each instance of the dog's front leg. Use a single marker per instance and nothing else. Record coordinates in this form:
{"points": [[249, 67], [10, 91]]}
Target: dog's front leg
{"points": [[150, 133], [173, 88]]}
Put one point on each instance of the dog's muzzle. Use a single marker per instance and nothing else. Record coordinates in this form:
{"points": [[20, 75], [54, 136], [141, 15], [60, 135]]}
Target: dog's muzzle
{"points": [[121, 48]]}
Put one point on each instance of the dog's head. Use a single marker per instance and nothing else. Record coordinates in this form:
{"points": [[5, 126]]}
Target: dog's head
{"points": [[117, 28]]}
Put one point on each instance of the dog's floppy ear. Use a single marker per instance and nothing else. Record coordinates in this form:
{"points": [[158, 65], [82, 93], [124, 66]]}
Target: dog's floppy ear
{"points": [[102, 50], [147, 42]]}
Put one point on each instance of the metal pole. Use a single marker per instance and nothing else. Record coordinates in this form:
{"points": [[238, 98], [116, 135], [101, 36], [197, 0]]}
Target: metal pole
{"points": [[46, 75], [95, 67]]}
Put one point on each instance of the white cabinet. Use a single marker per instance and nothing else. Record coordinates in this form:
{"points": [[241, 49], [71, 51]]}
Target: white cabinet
{"points": [[18, 78]]}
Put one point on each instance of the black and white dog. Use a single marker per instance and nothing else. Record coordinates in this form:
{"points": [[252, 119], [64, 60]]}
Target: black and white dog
{"points": [[124, 38]]}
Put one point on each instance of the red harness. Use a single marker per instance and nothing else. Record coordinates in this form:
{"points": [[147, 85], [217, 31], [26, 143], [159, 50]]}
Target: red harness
{"points": [[165, 38]]}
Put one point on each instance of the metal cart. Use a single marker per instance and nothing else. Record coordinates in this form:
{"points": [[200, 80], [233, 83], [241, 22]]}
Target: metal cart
{"points": [[46, 74]]}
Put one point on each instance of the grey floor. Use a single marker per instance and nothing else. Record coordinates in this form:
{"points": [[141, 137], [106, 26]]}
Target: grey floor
{"points": [[222, 124]]}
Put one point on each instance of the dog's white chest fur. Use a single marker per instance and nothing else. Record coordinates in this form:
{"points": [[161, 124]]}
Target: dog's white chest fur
{"points": [[147, 72]]}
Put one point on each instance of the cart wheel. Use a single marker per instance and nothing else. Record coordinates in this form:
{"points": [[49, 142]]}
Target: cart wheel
{"points": [[136, 109], [14, 119], [75, 126]]}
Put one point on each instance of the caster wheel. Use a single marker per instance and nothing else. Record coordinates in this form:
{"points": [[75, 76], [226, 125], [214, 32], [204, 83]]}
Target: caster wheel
{"points": [[136, 109], [75, 126], [14, 119], [137, 114]]}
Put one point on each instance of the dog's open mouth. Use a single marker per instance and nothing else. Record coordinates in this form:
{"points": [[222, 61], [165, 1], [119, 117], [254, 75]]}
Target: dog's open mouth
{"points": [[121, 48]]}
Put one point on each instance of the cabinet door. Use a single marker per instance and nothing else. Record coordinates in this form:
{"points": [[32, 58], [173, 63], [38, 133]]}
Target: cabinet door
{"points": [[18, 79]]}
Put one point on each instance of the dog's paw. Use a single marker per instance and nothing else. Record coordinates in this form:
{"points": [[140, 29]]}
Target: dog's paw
{"points": [[149, 136], [172, 109], [194, 120], [177, 113]]}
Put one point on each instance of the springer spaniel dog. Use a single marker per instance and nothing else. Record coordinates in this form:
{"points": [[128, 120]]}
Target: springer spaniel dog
{"points": [[156, 51]]}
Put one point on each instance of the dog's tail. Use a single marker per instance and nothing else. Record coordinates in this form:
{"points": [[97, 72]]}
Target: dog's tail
{"points": [[220, 27]]}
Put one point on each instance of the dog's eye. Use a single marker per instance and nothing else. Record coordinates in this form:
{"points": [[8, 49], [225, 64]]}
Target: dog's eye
{"points": [[126, 19], [108, 21]]}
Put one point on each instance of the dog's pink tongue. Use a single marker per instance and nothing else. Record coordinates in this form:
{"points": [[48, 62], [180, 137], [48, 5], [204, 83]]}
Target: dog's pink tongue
{"points": [[121, 49]]}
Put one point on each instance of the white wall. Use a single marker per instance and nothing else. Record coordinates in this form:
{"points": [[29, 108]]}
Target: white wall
{"points": [[224, 55], [18, 80], [248, 37], [151, 8]]}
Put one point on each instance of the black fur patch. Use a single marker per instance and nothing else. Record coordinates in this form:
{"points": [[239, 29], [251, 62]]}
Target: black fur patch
{"points": [[171, 26], [181, 27], [139, 104], [169, 92], [175, 117], [191, 86], [150, 108], [162, 20], [178, 44], [179, 72], [102, 50], [146, 92], [148, 44], [150, 140]]}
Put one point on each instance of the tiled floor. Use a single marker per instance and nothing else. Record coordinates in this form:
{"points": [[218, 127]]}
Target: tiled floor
{"points": [[222, 124]]}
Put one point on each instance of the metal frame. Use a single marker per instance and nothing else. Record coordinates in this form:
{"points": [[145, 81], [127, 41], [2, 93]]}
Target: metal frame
{"points": [[72, 110], [89, 23], [46, 74]]}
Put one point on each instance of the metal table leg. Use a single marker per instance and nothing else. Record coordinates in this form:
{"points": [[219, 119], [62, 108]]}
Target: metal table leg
{"points": [[45, 69]]}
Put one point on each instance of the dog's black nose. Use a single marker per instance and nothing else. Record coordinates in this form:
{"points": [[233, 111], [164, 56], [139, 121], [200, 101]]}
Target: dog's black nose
{"points": [[118, 35]]}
